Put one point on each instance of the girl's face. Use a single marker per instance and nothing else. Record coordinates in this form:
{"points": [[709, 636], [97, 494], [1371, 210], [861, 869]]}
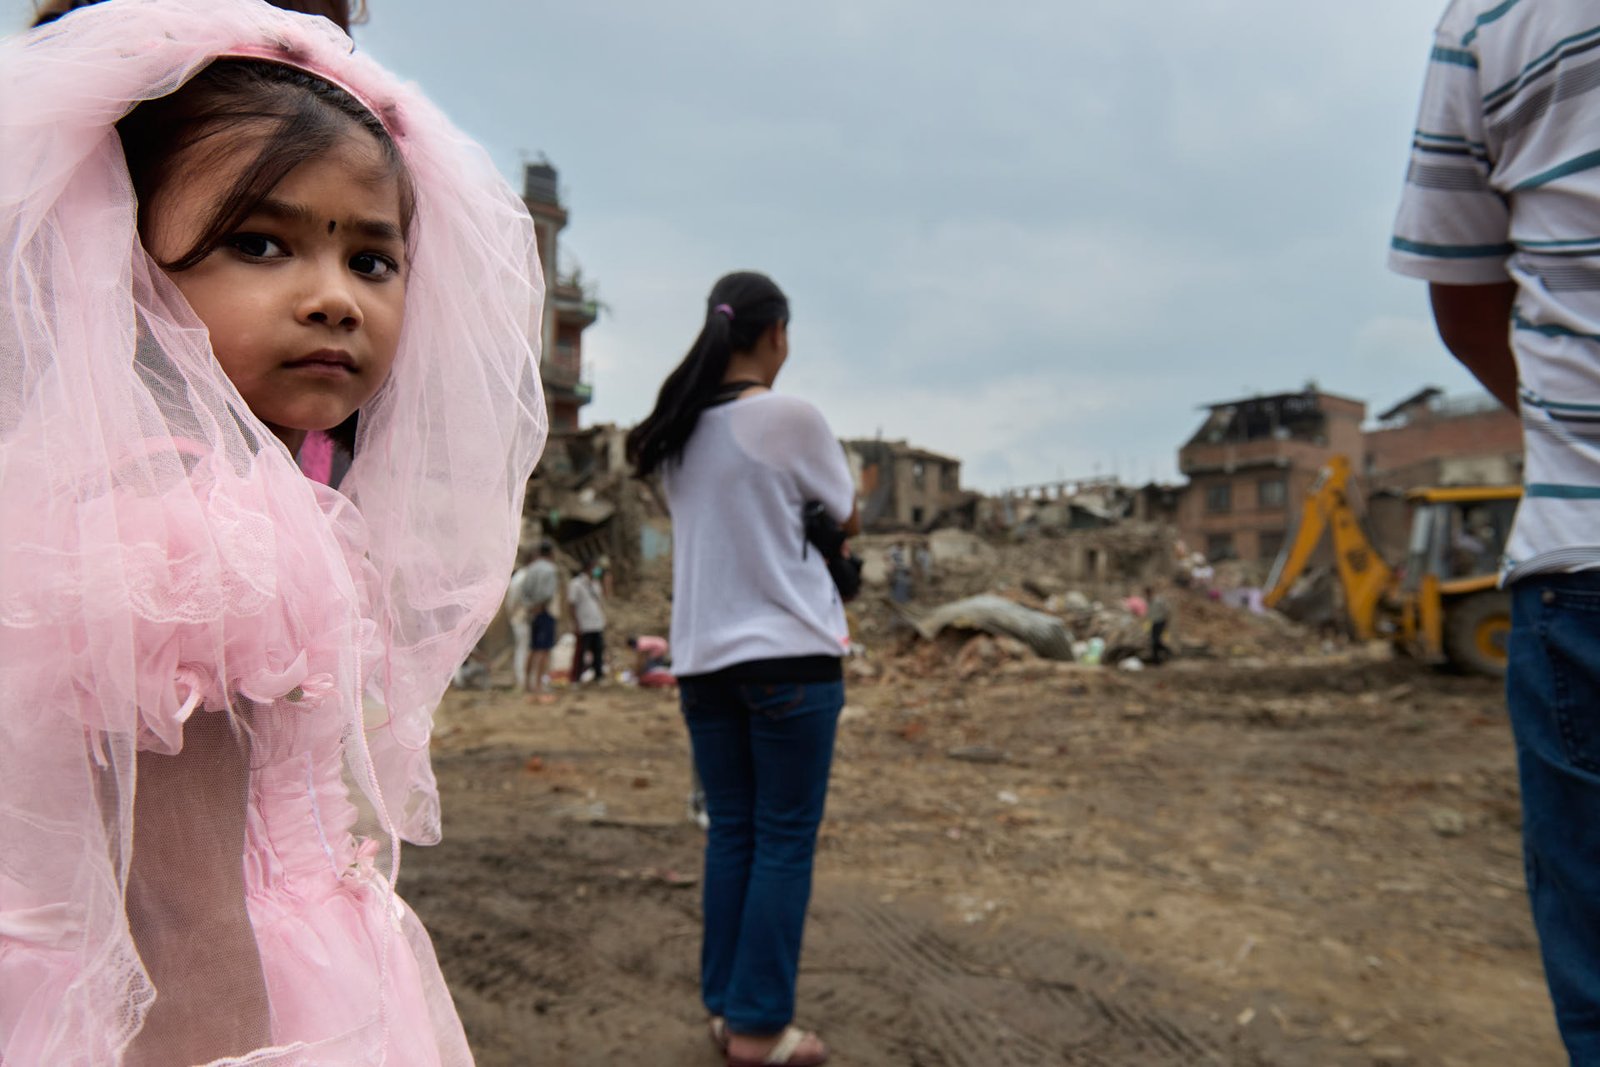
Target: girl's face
{"points": [[304, 300]]}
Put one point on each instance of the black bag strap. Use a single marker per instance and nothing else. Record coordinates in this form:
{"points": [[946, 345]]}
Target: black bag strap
{"points": [[729, 391]]}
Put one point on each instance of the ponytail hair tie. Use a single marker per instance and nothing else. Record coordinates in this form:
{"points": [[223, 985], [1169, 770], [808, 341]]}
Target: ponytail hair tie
{"points": [[723, 309]]}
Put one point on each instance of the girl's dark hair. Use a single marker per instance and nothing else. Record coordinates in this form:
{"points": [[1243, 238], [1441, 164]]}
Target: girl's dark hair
{"points": [[742, 306], [340, 12], [287, 116]]}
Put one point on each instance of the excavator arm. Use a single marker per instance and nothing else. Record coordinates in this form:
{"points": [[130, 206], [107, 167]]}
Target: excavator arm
{"points": [[1291, 564], [1362, 572]]}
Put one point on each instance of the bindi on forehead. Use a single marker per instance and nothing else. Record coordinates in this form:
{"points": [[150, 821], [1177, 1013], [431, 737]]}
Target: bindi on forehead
{"points": [[302, 214]]}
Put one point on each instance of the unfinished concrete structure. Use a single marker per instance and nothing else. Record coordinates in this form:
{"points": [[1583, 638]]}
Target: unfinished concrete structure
{"points": [[902, 487], [570, 306], [1055, 507], [1431, 439], [1250, 464]]}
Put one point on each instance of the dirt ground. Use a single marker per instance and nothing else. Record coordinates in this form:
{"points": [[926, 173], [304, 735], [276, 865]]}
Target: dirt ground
{"points": [[1297, 861]]}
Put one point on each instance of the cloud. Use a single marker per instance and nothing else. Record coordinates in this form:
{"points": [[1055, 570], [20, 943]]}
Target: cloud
{"points": [[1035, 235]]}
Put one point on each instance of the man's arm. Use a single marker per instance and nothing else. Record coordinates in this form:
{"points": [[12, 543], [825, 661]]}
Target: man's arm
{"points": [[1475, 325]]}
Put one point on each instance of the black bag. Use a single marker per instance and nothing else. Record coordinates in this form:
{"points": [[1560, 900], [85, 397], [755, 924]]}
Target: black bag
{"points": [[829, 539]]}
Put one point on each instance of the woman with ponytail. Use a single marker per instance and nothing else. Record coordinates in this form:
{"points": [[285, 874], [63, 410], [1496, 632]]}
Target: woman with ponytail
{"points": [[758, 630]]}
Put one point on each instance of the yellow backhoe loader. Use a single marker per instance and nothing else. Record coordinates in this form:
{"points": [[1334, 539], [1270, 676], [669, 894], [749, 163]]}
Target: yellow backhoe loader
{"points": [[1442, 605]]}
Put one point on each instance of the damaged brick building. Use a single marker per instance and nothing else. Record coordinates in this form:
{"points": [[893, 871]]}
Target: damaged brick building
{"points": [[1431, 439], [902, 487], [1250, 464], [1252, 461]]}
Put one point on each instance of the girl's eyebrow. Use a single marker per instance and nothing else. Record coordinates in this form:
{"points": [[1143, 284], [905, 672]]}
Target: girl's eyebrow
{"points": [[285, 211]]}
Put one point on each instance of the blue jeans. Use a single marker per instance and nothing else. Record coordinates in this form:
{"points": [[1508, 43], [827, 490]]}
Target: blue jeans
{"points": [[1553, 692], [763, 752]]}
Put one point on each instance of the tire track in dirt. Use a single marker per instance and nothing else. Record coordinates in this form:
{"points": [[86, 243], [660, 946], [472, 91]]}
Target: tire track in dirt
{"points": [[499, 957], [1019, 1001], [564, 947]]}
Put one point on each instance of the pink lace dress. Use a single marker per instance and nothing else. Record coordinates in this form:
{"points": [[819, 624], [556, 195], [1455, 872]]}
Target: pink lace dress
{"points": [[337, 947], [349, 972], [166, 570]]}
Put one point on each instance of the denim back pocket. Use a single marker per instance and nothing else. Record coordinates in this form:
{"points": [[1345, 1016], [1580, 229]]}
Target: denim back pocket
{"points": [[772, 701], [1569, 630], [694, 696]]}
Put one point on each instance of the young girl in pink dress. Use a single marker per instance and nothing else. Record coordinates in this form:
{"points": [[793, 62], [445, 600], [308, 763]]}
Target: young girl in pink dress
{"points": [[223, 231]]}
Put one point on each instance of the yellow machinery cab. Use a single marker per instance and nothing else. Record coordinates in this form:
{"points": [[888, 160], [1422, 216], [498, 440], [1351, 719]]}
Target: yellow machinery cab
{"points": [[1444, 605], [1451, 607]]}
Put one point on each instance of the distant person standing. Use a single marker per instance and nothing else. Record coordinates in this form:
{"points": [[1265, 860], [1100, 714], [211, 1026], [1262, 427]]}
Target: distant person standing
{"points": [[540, 589], [758, 630], [585, 598], [899, 575], [1159, 611], [1501, 215], [519, 616]]}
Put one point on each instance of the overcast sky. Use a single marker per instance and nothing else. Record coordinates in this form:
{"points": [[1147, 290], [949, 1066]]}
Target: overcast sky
{"points": [[1034, 235]]}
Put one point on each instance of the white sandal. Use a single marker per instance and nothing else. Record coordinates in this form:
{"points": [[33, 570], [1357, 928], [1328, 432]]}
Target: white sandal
{"points": [[783, 1053]]}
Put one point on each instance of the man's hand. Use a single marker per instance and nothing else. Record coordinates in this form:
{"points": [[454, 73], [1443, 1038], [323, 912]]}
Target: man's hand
{"points": [[1475, 325]]}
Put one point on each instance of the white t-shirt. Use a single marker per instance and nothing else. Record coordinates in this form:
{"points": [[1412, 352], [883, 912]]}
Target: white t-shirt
{"points": [[1503, 186], [746, 585], [583, 593]]}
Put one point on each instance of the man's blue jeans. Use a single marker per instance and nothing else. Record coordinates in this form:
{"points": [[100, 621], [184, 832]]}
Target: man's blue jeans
{"points": [[1553, 692], [763, 752]]}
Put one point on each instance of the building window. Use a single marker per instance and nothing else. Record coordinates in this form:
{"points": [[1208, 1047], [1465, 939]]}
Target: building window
{"points": [[1272, 492], [1219, 497], [1269, 545], [919, 473], [916, 516], [1219, 546]]}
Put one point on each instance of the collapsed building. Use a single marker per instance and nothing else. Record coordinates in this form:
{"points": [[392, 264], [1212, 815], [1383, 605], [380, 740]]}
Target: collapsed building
{"points": [[1104, 531], [904, 488], [583, 497]]}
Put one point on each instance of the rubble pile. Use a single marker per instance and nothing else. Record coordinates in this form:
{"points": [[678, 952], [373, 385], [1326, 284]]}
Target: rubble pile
{"points": [[584, 498], [1068, 590], [1076, 597]]}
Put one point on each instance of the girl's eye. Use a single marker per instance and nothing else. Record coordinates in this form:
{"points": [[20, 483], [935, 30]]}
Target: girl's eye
{"points": [[256, 246], [373, 265]]}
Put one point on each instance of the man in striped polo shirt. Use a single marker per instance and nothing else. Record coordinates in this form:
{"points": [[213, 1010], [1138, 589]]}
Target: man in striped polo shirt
{"points": [[1501, 215]]}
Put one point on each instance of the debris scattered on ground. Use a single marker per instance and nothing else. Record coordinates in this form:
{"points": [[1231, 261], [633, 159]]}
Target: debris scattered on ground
{"points": [[1041, 632], [1074, 596], [978, 754]]}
